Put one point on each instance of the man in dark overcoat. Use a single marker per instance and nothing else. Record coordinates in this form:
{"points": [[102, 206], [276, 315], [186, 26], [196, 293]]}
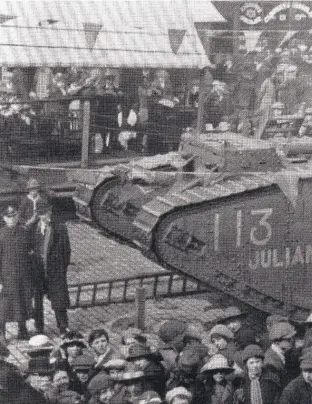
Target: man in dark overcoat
{"points": [[52, 251], [15, 275]]}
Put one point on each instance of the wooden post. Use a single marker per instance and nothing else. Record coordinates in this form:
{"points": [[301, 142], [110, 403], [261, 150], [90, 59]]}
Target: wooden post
{"points": [[140, 308], [85, 134], [204, 87]]}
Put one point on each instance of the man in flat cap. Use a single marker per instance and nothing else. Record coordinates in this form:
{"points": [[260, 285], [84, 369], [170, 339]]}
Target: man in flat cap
{"points": [[282, 341], [15, 275], [51, 249]]}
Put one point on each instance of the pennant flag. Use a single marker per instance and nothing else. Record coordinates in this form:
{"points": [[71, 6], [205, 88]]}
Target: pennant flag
{"points": [[251, 39], [91, 32], [288, 183], [176, 37], [4, 18]]}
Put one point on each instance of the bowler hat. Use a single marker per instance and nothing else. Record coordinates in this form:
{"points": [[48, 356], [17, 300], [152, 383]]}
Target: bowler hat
{"points": [[217, 363], [171, 329], [281, 331], [232, 313], [40, 365], [252, 351], [10, 211], [32, 183], [178, 391]]}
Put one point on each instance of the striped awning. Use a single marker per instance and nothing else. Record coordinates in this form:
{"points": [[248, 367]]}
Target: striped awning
{"points": [[112, 33]]}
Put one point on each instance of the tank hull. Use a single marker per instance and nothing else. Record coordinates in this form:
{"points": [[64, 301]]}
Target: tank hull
{"points": [[254, 244]]}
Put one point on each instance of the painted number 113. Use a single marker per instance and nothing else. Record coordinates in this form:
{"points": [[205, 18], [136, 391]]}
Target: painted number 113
{"points": [[260, 233]]}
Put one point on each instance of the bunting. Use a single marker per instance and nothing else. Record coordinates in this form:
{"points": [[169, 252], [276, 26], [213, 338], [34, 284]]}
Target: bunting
{"points": [[176, 37], [91, 33]]}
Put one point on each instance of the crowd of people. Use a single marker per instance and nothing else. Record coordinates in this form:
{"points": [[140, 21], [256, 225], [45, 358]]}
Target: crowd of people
{"points": [[230, 363]]}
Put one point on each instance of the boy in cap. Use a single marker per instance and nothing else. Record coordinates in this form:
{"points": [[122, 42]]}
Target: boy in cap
{"points": [[222, 338], [299, 390], [52, 252], [28, 206], [259, 385], [270, 320], [282, 340], [172, 334], [15, 275]]}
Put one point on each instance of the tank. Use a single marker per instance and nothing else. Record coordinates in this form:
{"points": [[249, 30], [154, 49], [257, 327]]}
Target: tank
{"points": [[232, 212]]}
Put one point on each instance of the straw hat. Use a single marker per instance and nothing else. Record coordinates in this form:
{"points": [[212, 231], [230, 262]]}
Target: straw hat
{"points": [[217, 362]]}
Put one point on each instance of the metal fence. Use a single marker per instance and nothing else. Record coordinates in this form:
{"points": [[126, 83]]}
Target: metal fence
{"points": [[84, 130]]}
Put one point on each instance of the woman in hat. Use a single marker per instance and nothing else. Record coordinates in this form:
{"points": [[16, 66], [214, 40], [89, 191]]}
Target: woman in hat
{"points": [[16, 283], [72, 345], [222, 339], [216, 386]]}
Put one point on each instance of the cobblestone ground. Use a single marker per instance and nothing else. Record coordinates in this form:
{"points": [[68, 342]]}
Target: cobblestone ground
{"points": [[97, 258]]}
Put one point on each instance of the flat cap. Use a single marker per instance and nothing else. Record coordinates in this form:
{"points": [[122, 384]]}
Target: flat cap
{"points": [[275, 318], [171, 329], [281, 331], [100, 382], [223, 331]]}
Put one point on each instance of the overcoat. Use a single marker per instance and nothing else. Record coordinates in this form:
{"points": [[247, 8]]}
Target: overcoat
{"points": [[15, 274], [297, 392], [270, 389], [52, 277]]}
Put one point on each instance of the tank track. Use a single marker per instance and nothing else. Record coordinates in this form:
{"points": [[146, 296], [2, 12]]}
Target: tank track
{"points": [[154, 224]]}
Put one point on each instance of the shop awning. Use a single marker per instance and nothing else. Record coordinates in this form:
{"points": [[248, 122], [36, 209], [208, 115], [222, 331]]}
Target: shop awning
{"points": [[113, 33]]}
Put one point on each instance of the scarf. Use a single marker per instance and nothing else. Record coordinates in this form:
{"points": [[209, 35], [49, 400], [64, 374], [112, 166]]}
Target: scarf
{"points": [[255, 391]]}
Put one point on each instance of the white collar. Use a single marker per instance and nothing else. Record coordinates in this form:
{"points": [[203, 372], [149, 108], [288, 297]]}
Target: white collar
{"points": [[36, 199], [278, 351]]}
